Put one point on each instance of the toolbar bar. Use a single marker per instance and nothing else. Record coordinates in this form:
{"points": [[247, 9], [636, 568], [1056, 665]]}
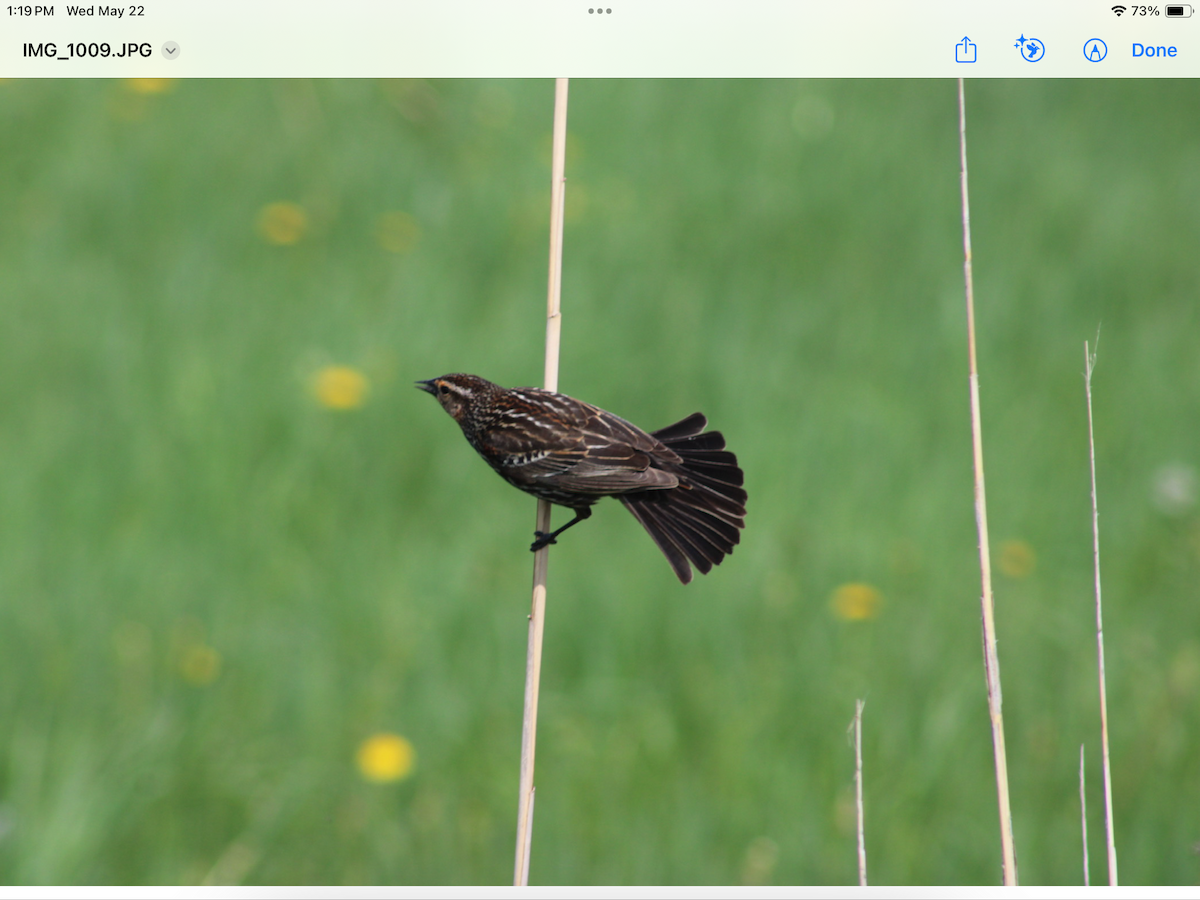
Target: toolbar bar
{"points": [[647, 38]]}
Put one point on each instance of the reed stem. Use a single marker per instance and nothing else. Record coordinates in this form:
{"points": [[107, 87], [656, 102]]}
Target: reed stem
{"points": [[991, 659], [541, 559]]}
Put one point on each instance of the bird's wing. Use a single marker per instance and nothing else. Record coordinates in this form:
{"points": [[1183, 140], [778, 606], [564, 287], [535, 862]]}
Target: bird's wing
{"points": [[596, 477], [607, 469], [579, 447]]}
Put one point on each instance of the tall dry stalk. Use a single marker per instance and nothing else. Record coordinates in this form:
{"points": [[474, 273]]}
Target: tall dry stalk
{"points": [[541, 559], [858, 792], [991, 660], [1090, 364]]}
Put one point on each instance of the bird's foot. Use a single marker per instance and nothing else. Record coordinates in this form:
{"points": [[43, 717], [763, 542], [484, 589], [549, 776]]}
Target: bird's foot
{"points": [[544, 539]]}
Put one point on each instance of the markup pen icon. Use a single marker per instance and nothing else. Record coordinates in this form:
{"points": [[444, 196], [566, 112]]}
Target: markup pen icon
{"points": [[1095, 50]]}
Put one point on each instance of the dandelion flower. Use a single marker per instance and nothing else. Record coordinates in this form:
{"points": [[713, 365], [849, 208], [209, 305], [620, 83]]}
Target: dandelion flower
{"points": [[386, 757], [340, 387], [759, 860], [1017, 559], [856, 602], [150, 85], [282, 223], [397, 232], [199, 664]]}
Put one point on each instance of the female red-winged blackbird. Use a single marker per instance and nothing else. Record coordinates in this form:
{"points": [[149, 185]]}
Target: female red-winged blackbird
{"points": [[683, 486]]}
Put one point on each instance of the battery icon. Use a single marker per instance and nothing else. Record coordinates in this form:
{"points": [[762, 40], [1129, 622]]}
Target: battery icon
{"points": [[1178, 11]]}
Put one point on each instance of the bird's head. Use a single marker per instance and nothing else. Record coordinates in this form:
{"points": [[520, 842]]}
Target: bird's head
{"points": [[458, 393]]}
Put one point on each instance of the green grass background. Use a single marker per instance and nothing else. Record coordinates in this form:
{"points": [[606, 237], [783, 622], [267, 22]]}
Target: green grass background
{"points": [[786, 257]]}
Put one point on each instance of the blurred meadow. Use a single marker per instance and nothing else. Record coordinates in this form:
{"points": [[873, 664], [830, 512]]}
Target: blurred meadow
{"points": [[263, 610]]}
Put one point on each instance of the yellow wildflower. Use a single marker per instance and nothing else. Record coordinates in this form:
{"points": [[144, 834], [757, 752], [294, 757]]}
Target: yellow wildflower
{"points": [[386, 757]]}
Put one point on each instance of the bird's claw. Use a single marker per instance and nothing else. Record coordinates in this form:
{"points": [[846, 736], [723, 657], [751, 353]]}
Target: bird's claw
{"points": [[544, 539]]}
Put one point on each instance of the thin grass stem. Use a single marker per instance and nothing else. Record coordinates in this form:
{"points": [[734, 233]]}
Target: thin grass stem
{"points": [[1090, 363], [991, 659], [858, 792], [541, 559], [1083, 820]]}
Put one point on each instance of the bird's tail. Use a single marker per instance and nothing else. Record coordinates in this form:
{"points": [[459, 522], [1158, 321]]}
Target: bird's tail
{"points": [[701, 519]]}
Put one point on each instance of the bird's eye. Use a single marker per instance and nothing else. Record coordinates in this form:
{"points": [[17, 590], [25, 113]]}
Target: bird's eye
{"points": [[442, 389]]}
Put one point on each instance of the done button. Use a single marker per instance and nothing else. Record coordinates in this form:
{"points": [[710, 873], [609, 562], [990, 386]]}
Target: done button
{"points": [[1153, 52]]}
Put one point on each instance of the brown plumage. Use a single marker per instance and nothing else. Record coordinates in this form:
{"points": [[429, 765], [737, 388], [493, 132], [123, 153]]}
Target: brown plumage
{"points": [[680, 482]]}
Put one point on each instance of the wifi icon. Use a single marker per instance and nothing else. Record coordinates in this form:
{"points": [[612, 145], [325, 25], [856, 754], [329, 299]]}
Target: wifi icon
{"points": [[1118, 9]]}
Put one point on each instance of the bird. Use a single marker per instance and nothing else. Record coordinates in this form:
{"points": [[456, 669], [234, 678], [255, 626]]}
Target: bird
{"points": [[679, 482]]}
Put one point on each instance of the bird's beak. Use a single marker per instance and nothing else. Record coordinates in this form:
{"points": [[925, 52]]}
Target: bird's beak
{"points": [[429, 386]]}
